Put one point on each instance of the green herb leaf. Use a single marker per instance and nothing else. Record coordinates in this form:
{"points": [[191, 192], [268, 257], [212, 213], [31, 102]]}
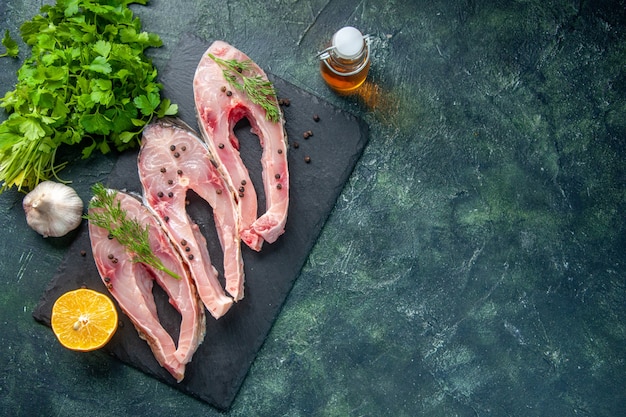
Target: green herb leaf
{"points": [[102, 47], [100, 64], [147, 104], [135, 238], [167, 108], [31, 129], [240, 75], [96, 123], [10, 44], [71, 8]]}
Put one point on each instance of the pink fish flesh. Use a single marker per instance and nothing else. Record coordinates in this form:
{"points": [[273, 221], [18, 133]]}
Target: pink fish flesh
{"points": [[173, 160], [130, 283], [219, 107]]}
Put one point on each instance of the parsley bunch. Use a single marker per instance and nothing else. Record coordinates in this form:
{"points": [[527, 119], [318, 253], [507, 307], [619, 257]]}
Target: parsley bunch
{"points": [[87, 83]]}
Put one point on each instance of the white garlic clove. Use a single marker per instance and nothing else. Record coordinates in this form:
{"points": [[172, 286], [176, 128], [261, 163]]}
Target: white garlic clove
{"points": [[53, 209]]}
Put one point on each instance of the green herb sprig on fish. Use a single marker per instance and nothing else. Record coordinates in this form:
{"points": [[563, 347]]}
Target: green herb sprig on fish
{"points": [[258, 90], [128, 232], [87, 83]]}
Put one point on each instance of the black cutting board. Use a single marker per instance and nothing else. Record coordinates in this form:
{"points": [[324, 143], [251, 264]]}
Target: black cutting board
{"points": [[222, 361]]}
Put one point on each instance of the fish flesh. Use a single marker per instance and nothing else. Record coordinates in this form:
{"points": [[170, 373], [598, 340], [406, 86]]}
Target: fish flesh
{"points": [[219, 106], [173, 160], [131, 283]]}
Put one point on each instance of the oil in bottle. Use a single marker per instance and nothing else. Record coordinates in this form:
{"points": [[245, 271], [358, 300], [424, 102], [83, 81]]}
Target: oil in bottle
{"points": [[345, 63]]}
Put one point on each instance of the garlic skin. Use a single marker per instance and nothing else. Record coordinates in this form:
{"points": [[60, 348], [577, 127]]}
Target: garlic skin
{"points": [[53, 209]]}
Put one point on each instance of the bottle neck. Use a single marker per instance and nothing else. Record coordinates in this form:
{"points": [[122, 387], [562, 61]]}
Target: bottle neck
{"points": [[346, 66]]}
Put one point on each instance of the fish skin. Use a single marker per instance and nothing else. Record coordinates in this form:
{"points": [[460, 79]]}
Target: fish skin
{"points": [[217, 114], [198, 173], [130, 283]]}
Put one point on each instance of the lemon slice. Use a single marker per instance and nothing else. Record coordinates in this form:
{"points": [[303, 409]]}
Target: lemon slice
{"points": [[84, 319]]}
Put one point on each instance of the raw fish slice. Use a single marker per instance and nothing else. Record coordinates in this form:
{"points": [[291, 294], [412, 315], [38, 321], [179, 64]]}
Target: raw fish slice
{"points": [[219, 107], [173, 160], [130, 283]]}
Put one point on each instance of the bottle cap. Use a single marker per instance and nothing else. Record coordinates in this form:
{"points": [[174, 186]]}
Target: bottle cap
{"points": [[348, 42]]}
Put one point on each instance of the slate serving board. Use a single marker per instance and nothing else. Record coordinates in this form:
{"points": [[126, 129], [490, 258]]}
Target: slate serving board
{"points": [[231, 343]]}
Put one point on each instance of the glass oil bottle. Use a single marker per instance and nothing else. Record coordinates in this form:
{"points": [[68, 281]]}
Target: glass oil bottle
{"points": [[345, 63]]}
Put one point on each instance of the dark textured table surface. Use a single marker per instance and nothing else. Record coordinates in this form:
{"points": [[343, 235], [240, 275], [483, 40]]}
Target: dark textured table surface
{"points": [[474, 264]]}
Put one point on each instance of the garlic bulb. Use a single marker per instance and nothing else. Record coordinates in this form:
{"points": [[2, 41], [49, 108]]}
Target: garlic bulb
{"points": [[53, 209]]}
